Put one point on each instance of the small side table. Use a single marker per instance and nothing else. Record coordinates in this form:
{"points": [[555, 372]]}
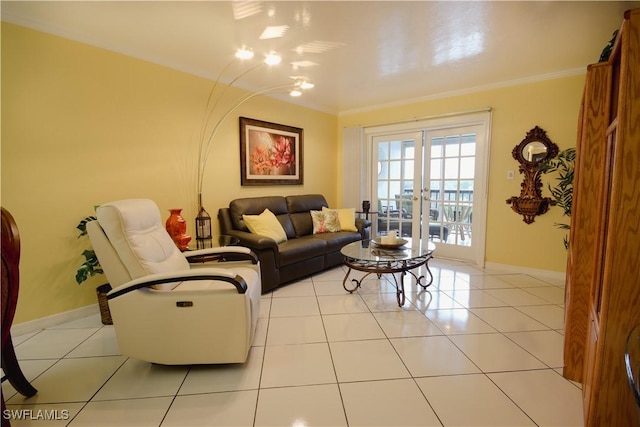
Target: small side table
{"points": [[217, 242], [372, 224], [224, 240], [366, 214]]}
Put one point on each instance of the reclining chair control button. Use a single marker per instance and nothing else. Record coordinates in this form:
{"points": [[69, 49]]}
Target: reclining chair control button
{"points": [[184, 304]]}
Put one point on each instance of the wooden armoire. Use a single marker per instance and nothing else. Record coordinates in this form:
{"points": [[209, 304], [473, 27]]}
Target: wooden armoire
{"points": [[603, 270]]}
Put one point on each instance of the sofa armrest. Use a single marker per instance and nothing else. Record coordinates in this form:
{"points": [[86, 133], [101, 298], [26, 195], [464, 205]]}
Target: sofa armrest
{"points": [[253, 241]]}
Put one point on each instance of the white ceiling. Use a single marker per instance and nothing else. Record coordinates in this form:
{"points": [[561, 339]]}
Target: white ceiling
{"points": [[359, 54]]}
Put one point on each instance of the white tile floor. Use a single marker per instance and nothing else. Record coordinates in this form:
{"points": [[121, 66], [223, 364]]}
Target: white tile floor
{"points": [[478, 349]]}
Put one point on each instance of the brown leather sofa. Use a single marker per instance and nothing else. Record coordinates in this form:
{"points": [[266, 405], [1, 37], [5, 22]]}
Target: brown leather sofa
{"points": [[303, 253]]}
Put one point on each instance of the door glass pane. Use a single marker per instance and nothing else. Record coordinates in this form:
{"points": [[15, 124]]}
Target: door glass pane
{"points": [[436, 169], [451, 188], [468, 147], [437, 148], [396, 163], [396, 150], [383, 151], [467, 167], [453, 146], [394, 170], [451, 168], [408, 171], [383, 170], [466, 190], [394, 189], [382, 190]]}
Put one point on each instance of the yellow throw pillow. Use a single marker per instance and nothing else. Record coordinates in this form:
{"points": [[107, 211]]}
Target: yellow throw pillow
{"points": [[266, 224], [347, 218]]}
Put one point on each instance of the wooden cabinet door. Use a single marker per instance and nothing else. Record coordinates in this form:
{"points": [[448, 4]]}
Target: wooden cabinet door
{"points": [[614, 300], [586, 220]]}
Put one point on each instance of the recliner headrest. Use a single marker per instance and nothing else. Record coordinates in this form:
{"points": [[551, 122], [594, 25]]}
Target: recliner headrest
{"points": [[135, 230]]}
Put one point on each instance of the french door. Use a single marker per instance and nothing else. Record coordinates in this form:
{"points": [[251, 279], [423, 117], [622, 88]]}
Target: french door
{"points": [[399, 172], [451, 179], [431, 184]]}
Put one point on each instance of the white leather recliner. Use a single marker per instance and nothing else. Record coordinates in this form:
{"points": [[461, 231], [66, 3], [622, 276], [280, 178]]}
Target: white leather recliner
{"points": [[165, 310]]}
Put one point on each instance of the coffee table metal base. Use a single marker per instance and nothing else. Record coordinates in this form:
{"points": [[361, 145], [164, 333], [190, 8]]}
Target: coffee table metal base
{"points": [[388, 267]]}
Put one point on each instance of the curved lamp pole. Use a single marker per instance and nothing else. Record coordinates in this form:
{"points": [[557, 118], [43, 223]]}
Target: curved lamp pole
{"points": [[203, 219]]}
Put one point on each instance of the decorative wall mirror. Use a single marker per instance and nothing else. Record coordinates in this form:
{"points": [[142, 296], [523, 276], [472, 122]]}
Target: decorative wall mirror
{"points": [[534, 150]]}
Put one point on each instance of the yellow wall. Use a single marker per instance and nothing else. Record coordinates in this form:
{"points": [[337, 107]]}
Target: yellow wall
{"points": [[554, 106], [83, 126]]}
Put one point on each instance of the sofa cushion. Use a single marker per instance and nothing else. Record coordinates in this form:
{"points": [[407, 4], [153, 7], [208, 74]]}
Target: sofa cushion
{"points": [[257, 205], [300, 249], [299, 209], [325, 221], [335, 241], [265, 224], [347, 218]]}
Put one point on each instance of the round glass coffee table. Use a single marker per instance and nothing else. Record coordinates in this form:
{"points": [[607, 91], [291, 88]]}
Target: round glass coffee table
{"points": [[372, 258]]}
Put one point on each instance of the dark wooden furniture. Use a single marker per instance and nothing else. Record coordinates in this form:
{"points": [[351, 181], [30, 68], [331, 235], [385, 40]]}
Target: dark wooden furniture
{"points": [[602, 291], [10, 284]]}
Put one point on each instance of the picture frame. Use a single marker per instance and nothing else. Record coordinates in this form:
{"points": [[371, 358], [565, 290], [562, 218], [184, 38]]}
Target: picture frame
{"points": [[270, 153]]}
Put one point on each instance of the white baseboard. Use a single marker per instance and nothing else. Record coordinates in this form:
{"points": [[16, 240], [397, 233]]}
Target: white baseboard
{"points": [[557, 277], [554, 276], [53, 320]]}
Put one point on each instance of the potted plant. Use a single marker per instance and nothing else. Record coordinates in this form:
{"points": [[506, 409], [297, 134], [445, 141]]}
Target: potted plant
{"points": [[562, 192], [91, 267]]}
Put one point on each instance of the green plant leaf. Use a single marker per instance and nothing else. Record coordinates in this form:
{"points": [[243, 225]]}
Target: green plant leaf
{"points": [[562, 191], [81, 274], [82, 226], [91, 266]]}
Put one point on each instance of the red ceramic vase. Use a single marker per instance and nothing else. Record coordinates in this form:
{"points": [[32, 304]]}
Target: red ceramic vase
{"points": [[177, 229]]}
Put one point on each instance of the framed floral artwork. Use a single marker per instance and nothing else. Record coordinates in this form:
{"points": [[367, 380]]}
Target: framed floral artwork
{"points": [[270, 154]]}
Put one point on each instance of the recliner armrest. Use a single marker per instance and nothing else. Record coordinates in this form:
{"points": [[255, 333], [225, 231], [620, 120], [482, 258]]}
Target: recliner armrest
{"points": [[181, 276]]}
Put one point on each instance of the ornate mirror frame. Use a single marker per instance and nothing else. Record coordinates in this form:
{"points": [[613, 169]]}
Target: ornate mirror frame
{"points": [[534, 150]]}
